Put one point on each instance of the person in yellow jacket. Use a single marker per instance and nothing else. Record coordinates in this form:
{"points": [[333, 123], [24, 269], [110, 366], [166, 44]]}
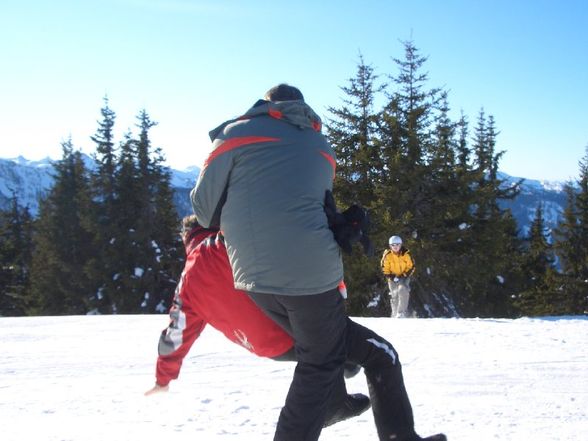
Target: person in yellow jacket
{"points": [[397, 267]]}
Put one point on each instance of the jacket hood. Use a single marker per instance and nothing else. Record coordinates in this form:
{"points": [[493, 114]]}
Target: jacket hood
{"points": [[295, 112]]}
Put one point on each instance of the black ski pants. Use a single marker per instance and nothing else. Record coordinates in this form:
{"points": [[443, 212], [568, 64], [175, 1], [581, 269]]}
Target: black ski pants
{"points": [[391, 407], [318, 325], [390, 403]]}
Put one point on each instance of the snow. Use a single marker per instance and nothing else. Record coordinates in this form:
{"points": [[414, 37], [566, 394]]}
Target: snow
{"points": [[161, 308], [529, 184], [374, 302], [29, 180], [82, 378], [185, 178]]}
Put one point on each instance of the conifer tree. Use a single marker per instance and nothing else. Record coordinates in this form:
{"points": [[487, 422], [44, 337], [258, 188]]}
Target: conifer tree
{"points": [[15, 259], [104, 176], [118, 286], [63, 241], [444, 212], [494, 274], [414, 102], [145, 245], [419, 143], [158, 223], [407, 136], [166, 241], [406, 141], [539, 295], [463, 152], [444, 238], [352, 131], [572, 244], [540, 254], [101, 266]]}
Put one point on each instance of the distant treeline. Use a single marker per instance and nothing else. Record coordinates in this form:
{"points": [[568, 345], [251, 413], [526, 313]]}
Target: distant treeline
{"points": [[106, 240]]}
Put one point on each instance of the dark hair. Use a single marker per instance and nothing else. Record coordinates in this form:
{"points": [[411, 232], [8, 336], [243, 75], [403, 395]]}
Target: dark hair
{"points": [[188, 223], [283, 92]]}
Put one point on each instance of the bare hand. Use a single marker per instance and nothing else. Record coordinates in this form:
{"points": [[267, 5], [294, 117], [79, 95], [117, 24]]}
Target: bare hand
{"points": [[157, 389]]}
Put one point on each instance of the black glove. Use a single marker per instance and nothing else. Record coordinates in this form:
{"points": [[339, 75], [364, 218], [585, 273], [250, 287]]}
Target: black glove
{"points": [[350, 226], [359, 219], [333, 216]]}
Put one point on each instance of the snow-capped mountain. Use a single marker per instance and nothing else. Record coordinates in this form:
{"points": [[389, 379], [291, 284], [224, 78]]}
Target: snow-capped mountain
{"points": [[30, 180], [550, 193]]}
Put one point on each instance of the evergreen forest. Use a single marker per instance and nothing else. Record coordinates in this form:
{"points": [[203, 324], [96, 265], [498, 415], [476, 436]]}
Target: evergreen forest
{"points": [[106, 240]]}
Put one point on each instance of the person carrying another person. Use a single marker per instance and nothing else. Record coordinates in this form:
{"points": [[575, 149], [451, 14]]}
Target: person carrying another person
{"points": [[206, 295], [264, 185], [397, 267]]}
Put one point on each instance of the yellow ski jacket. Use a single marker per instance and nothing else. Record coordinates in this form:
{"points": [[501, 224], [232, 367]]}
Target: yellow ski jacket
{"points": [[400, 265]]}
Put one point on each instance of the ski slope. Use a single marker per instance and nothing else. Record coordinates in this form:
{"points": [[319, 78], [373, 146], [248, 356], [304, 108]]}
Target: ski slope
{"points": [[82, 378]]}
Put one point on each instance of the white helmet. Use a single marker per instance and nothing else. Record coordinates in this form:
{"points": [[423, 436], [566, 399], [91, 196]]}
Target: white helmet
{"points": [[395, 240]]}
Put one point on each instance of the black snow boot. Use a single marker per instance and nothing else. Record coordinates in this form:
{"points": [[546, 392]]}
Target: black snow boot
{"points": [[353, 405]]}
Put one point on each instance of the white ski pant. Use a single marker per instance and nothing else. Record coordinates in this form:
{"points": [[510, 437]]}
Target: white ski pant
{"points": [[399, 295]]}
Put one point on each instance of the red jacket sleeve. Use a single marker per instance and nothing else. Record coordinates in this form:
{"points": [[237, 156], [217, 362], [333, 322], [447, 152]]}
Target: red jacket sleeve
{"points": [[177, 339]]}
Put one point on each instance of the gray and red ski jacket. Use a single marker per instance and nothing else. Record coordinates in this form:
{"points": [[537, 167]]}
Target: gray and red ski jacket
{"points": [[206, 295], [264, 184]]}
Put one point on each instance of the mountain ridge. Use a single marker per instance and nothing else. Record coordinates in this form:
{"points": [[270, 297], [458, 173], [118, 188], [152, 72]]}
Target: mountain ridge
{"points": [[30, 180]]}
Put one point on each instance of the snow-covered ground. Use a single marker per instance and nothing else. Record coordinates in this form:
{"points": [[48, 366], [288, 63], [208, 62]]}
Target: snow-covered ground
{"points": [[82, 378]]}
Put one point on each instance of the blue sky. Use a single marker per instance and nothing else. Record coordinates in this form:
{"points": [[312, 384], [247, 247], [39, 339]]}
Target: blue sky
{"points": [[193, 64]]}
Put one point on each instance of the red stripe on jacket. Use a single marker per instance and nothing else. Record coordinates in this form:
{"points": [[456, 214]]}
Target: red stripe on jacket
{"points": [[234, 143], [331, 161]]}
